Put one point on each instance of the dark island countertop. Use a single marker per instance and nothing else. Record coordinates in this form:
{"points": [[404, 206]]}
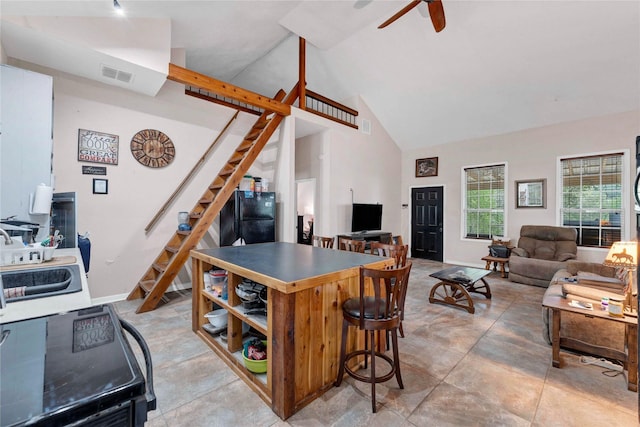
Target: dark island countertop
{"points": [[288, 267]]}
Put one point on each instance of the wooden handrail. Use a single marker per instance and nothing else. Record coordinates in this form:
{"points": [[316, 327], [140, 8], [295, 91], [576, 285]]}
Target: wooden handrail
{"points": [[331, 102], [189, 77], [189, 175]]}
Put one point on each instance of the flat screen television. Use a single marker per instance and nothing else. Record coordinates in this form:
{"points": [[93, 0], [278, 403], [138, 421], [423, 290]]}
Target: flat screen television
{"points": [[366, 217]]}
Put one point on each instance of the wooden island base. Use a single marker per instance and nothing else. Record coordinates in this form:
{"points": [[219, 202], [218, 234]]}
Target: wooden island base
{"points": [[306, 289]]}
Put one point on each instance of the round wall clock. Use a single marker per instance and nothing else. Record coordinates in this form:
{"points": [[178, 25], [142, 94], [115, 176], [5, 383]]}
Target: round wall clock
{"points": [[152, 148]]}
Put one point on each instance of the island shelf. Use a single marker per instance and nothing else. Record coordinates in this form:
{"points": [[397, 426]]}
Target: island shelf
{"points": [[306, 287]]}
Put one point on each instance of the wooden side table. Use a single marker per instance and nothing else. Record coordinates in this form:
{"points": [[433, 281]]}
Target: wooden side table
{"points": [[496, 260], [558, 305]]}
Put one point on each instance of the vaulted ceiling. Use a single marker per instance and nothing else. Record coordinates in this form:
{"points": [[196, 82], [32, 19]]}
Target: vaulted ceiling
{"points": [[497, 67]]}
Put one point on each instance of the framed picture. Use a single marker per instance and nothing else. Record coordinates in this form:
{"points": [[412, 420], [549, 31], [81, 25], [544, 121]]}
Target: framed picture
{"points": [[427, 167], [100, 186], [97, 147], [531, 193]]}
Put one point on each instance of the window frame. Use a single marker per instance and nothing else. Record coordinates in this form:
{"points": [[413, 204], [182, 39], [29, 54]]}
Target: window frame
{"points": [[625, 182], [505, 189]]}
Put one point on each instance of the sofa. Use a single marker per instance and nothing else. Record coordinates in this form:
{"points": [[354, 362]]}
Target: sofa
{"points": [[593, 331], [542, 250]]}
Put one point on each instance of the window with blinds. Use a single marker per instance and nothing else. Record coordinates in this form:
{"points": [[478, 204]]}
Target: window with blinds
{"points": [[484, 202], [592, 198]]}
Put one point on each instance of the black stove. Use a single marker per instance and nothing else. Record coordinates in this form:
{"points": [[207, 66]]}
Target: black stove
{"points": [[73, 368]]}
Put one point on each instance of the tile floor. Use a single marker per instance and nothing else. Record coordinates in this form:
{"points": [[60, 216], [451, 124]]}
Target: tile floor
{"points": [[489, 368]]}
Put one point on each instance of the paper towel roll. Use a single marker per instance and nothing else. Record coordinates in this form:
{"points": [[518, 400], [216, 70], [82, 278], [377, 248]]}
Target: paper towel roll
{"points": [[42, 200]]}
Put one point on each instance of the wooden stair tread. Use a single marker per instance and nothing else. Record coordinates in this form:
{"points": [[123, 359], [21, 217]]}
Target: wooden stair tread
{"points": [[147, 285]]}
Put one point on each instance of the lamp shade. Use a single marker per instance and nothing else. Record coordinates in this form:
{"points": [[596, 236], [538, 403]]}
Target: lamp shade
{"points": [[622, 254]]}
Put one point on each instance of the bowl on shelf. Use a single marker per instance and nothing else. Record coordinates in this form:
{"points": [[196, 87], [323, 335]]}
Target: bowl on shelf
{"points": [[218, 318], [255, 366]]}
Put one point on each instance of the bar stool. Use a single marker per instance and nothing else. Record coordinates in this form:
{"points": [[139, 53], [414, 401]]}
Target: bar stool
{"points": [[323, 242], [351, 245], [378, 312], [399, 253]]}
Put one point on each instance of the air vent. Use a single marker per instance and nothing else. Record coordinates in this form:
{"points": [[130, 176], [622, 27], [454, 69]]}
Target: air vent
{"points": [[365, 126], [112, 73]]}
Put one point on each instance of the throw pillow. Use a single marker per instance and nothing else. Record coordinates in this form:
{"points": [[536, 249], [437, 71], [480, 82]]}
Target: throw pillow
{"points": [[520, 252]]}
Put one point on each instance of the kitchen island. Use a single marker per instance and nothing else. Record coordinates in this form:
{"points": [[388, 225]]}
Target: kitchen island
{"points": [[306, 287]]}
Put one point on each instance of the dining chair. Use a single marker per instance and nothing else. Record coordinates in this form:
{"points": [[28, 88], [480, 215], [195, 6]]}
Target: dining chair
{"points": [[397, 252], [323, 242], [376, 311], [351, 245]]}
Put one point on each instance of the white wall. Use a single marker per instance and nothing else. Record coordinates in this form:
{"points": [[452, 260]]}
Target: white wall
{"points": [[350, 166], [121, 251], [528, 154]]}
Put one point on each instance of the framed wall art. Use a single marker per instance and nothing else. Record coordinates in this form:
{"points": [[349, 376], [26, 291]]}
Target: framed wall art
{"points": [[97, 147], [100, 186], [531, 193], [427, 167]]}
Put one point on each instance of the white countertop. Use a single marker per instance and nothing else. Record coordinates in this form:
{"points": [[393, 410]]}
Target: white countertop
{"points": [[27, 309]]}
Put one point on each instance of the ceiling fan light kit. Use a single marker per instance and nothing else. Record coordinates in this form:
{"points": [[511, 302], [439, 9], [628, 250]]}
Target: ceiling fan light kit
{"points": [[436, 12]]}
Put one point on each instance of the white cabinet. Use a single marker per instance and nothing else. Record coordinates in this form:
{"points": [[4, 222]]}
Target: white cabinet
{"points": [[26, 118]]}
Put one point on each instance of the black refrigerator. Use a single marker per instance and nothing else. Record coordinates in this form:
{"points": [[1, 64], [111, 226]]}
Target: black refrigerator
{"points": [[248, 215]]}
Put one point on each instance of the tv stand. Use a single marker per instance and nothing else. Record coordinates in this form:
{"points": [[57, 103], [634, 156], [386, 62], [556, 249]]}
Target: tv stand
{"points": [[368, 236]]}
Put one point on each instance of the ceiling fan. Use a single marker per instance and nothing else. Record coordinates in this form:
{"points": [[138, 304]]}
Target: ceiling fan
{"points": [[435, 11]]}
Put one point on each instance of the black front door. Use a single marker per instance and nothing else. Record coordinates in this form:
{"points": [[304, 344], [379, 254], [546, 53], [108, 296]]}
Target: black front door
{"points": [[426, 223]]}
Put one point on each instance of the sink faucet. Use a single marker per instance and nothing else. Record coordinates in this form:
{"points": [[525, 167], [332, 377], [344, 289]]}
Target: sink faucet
{"points": [[7, 238]]}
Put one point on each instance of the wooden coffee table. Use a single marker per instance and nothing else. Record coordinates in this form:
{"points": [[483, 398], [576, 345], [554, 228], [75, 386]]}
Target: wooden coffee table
{"points": [[558, 305], [455, 285]]}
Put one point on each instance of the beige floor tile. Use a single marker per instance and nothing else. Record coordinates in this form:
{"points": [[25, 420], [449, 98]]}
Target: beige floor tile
{"points": [[451, 406], [560, 408], [491, 368], [231, 405], [499, 384]]}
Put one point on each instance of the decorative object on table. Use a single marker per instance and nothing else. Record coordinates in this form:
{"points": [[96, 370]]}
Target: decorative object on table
{"points": [[94, 170], [183, 221], [152, 148], [624, 257], [531, 193], [97, 147], [100, 186], [427, 167]]}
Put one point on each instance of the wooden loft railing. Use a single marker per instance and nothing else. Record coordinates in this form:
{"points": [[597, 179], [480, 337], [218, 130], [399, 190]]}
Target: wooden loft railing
{"points": [[329, 109], [222, 100], [308, 100], [315, 103]]}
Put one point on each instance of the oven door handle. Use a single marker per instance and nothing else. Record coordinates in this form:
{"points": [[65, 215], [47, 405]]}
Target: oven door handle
{"points": [[150, 394], [635, 189]]}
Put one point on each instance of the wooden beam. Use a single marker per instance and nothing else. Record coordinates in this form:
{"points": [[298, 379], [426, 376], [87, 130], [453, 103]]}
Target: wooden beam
{"points": [[302, 78], [188, 77]]}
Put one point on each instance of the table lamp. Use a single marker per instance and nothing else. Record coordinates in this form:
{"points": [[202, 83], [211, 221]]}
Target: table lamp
{"points": [[625, 255]]}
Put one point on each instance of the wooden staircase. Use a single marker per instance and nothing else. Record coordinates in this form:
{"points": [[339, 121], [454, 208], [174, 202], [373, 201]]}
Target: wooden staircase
{"points": [[175, 253]]}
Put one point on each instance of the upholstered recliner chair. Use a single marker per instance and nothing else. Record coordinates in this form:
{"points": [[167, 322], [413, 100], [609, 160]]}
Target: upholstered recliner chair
{"points": [[542, 250]]}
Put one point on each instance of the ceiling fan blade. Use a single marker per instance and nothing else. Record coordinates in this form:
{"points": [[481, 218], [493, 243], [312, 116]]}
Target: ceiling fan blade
{"points": [[437, 15], [404, 10]]}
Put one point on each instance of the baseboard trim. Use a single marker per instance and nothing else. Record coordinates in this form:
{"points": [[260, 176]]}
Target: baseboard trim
{"points": [[121, 297]]}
